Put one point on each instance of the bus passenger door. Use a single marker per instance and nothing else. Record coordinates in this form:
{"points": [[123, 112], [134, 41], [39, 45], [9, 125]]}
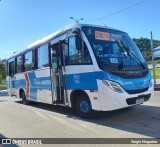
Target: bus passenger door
{"points": [[57, 74]]}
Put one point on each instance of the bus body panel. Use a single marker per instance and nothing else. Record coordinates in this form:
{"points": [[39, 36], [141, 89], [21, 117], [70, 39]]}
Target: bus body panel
{"points": [[107, 99], [9, 87], [36, 85], [83, 77], [111, 100]]}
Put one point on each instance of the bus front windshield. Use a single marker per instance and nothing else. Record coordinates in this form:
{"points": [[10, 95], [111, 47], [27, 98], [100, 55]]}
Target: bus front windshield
{"points": [[114, 50]]}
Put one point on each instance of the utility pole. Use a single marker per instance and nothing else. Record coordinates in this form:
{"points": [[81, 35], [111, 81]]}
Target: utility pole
{"points": [[153, 65]]}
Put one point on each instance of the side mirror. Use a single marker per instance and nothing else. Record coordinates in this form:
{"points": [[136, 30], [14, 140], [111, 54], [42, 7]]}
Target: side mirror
{"points": [[78, 42]]}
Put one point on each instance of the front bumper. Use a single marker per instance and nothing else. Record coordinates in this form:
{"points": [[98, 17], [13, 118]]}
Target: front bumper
{"points": [[111, 100]]}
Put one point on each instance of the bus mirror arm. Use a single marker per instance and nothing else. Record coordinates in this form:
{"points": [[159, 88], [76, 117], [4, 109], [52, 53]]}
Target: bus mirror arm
{"points": [[76, 31], [64, 42], [73, 33], [78, 42]]}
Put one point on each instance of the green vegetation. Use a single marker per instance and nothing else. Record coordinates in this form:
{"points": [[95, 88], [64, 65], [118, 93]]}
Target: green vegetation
{"points": [[2, 73], [145, 47], [0, 79], [157, 72], [3, 85], [156, 61], [2, 69]]}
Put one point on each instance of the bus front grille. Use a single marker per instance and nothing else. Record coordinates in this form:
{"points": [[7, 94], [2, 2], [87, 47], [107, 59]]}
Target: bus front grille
{"points": [[136, 91]]}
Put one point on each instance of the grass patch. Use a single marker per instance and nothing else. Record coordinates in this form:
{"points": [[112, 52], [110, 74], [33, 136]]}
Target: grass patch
{"points": [[2, 84], [157, 72]]}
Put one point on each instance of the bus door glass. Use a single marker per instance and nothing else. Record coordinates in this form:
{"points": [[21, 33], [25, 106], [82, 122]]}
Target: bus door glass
{"points": [[57, 74]]}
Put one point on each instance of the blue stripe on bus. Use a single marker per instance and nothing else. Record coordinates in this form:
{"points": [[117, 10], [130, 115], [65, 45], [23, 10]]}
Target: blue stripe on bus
{"points": [[87, 81]]}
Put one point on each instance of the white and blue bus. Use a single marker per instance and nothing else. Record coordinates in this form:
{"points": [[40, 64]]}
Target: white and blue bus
{"points": [[87, 67]]}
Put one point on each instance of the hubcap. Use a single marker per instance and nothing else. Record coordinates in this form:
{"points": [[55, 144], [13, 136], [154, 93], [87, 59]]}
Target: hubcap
{"points": [[84, 106]]}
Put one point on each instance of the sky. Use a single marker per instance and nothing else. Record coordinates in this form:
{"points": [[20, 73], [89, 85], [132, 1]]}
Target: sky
{"points": [[22, 22]]}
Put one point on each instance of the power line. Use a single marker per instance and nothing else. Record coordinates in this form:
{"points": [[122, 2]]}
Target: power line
{"points": [[119, 11]]}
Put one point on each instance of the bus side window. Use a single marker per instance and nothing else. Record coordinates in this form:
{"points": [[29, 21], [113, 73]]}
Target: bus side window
{"points": [[78, 56], [19, 64], [11, 69], [28, 61], [73, 52], [43, 56]]}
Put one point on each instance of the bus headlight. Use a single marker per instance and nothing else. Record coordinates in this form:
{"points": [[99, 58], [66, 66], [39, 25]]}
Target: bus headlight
{"points": [[114, 86]]}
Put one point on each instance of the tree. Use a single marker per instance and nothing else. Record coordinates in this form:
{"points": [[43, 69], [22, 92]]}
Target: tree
{"points": [[145, 47], [0, 79], [2, 69]]}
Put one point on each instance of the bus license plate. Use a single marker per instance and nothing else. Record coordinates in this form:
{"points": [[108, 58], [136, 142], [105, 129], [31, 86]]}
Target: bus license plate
{"points": [[139, 100]]}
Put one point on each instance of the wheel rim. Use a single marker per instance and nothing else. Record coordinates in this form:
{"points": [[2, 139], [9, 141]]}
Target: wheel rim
{"points": [[85, 106], [23, 97]]}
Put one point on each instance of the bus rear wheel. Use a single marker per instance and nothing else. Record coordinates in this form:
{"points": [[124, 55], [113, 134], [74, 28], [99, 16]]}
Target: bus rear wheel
{"points": [[24, 100], [83, 106]]}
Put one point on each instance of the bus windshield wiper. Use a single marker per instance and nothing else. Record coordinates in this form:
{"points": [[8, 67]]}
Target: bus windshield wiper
{"points": [[122, 48], [131, 54], [122, 51]]}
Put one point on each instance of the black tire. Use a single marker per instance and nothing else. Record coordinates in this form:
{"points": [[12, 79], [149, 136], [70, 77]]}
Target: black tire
{"points": [[83, 106], [24, 100]]}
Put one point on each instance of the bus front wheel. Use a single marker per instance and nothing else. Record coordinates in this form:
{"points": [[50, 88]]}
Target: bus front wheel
{"points": [[83, 106], [24, 100]]}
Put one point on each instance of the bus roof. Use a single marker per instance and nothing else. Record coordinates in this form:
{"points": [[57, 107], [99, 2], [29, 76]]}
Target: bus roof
{"points": [[54, 34]]}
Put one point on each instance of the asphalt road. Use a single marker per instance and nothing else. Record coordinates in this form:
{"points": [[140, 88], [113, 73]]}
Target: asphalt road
{"points": [[39, 120]]}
